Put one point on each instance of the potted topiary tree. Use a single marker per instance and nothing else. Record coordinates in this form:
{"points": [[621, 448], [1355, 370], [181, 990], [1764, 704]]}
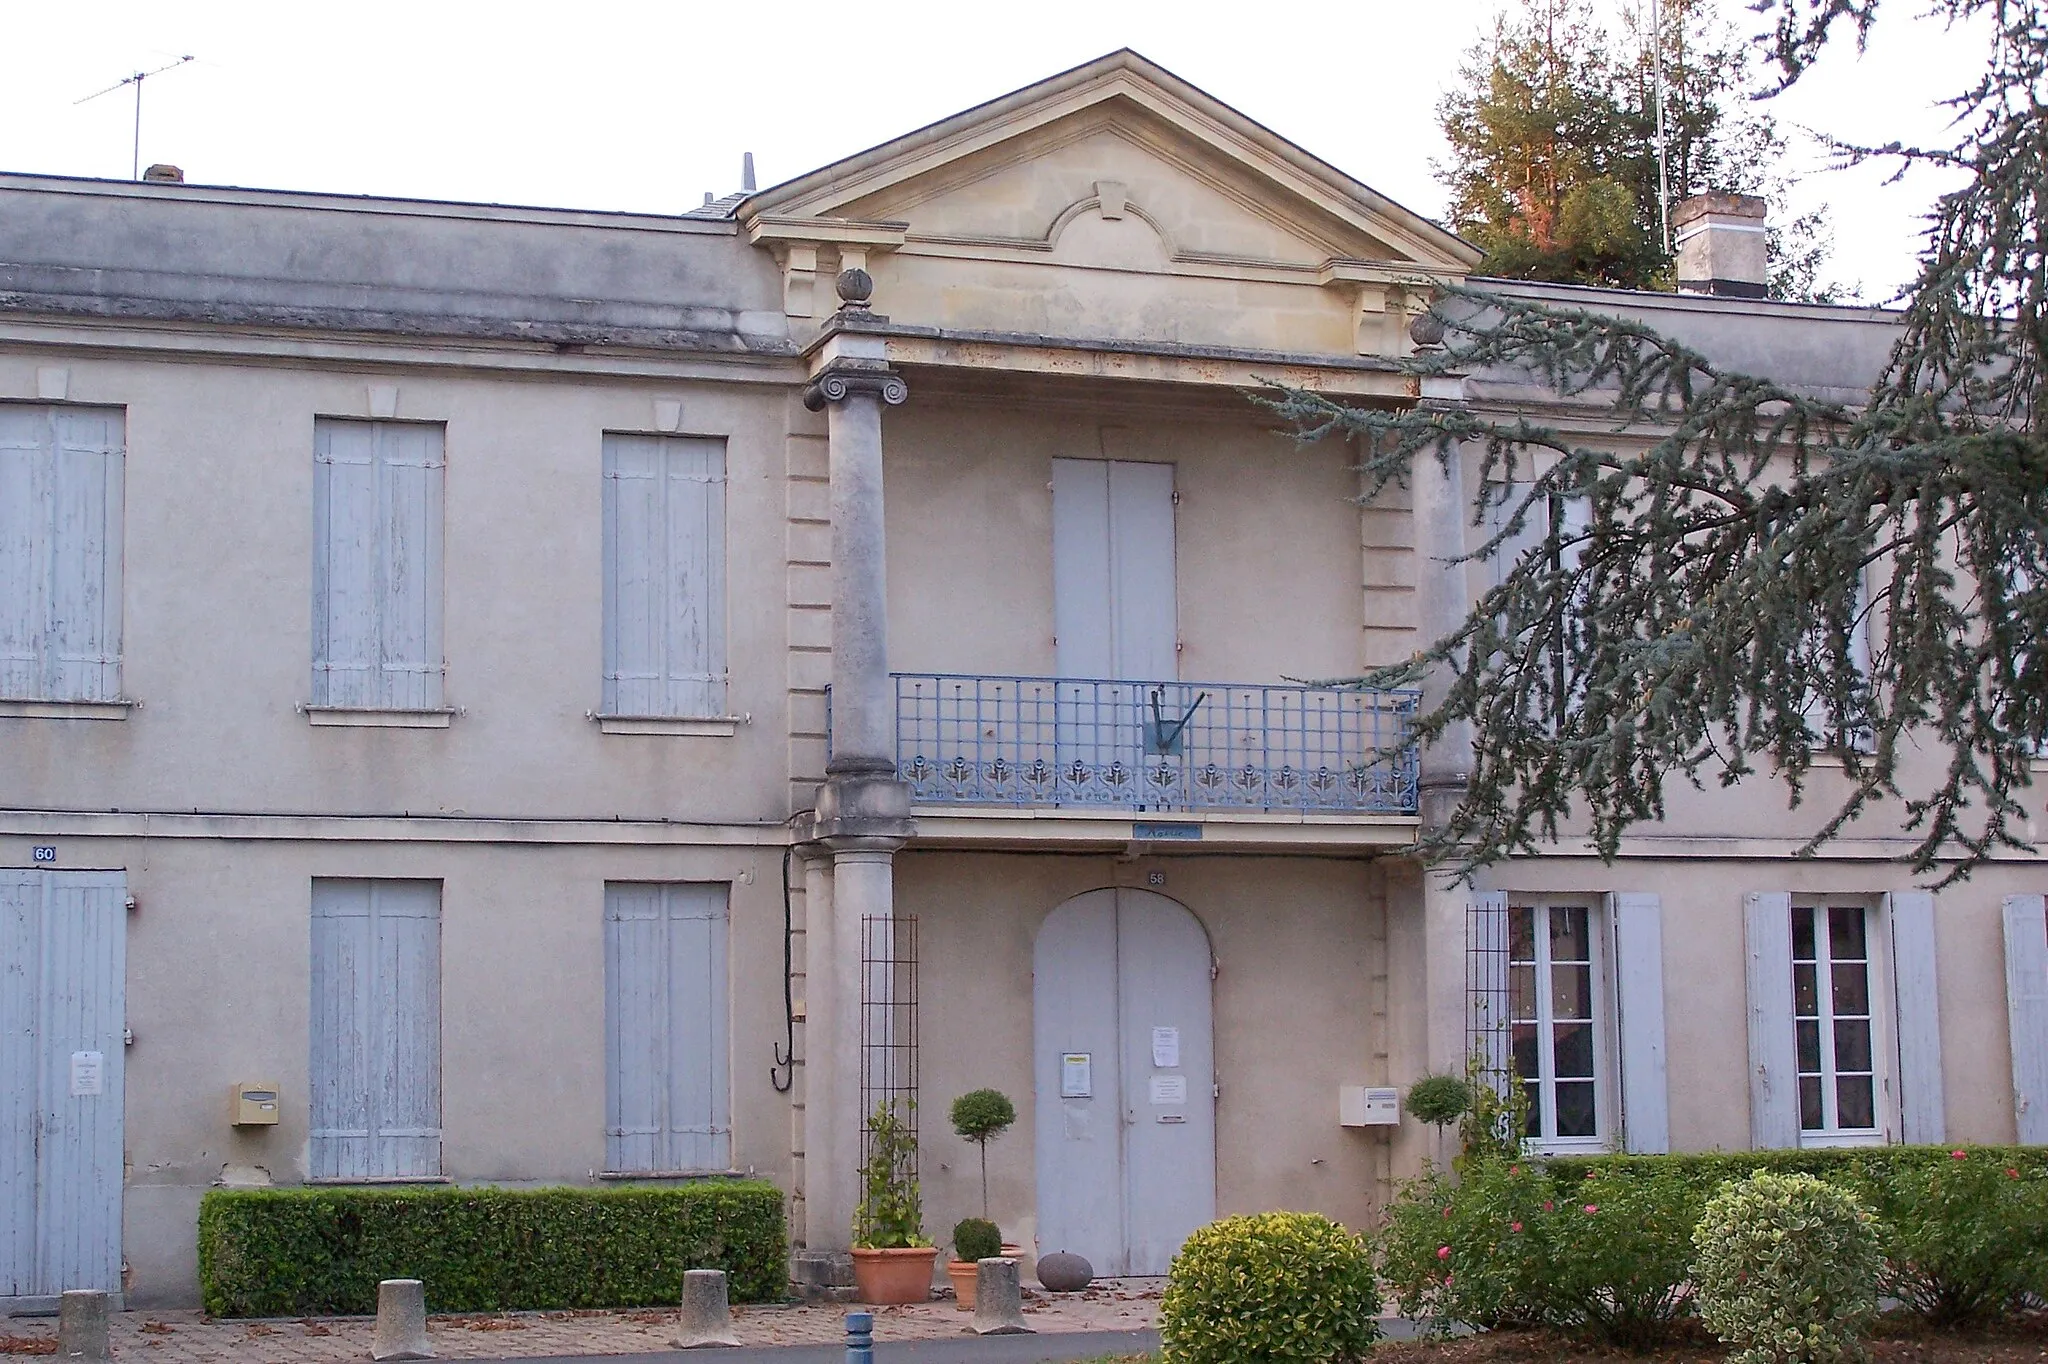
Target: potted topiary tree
{"points": [[892, 1260], [974, 1239], [982, 1115]]}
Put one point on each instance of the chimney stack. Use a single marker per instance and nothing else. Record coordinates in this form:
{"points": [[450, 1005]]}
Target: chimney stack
{"points": [[1721, 245], [167, 174], [747, 172]]}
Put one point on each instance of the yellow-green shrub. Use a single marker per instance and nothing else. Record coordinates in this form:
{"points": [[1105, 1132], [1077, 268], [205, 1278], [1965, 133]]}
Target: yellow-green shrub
{"points": [[1787, 1270], [1274, 1286]]}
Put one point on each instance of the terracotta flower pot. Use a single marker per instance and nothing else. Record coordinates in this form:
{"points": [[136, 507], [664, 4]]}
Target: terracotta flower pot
{"points": [[963, 1273], [894, 1276]]}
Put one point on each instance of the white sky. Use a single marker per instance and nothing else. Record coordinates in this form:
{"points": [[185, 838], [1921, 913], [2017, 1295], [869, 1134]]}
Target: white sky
{"points": [[619, 105]]}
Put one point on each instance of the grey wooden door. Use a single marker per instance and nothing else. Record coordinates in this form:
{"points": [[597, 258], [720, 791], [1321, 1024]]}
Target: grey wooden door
{"points": [[1126, 1114], [63, 970]]}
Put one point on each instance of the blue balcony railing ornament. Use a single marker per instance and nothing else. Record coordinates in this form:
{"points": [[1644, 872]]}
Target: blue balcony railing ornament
{"points": [[1136, 745]]}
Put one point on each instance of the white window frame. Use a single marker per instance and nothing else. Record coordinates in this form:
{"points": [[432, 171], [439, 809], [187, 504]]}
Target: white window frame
{"points": [[48, 693], [1879, 985], [1606, 1088]]}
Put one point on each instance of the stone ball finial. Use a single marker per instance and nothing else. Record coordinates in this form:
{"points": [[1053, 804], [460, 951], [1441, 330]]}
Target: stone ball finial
{"points": [[1426, 330], [856, 287]]}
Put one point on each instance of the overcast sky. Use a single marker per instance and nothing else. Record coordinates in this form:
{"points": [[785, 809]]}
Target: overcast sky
{"points": [[619, 105]]}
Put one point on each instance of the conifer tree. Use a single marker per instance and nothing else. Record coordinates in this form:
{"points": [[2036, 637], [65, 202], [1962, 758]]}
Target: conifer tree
{"points": [[1701, 622], [1553, 131]]}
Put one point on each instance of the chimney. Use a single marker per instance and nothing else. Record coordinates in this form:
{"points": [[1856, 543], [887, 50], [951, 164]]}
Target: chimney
{"points": [[1721, 245], [167, 174], [747, 172]]}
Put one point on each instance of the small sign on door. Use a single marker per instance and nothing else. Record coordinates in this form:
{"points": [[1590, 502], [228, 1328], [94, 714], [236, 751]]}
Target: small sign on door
{"points": [[88, 1073], [1166, 1048], [1169, 1089], [1077, 1080]]}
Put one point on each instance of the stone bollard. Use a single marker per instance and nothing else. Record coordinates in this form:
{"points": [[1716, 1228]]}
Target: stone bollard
{"points": [[82, 1324], [860, 1338], [707, 1315], [401, 1321], [998, 1298]]}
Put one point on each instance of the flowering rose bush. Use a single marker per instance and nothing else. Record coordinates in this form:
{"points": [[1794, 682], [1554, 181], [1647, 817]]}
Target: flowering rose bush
{"points": [[1787, 1270]]}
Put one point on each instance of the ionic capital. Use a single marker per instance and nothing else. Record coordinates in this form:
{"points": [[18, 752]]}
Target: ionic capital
{"points": [[842, 379]]}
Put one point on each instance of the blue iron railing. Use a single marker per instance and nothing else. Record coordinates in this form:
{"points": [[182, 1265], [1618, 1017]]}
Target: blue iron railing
{"points": [[1064, 741]]}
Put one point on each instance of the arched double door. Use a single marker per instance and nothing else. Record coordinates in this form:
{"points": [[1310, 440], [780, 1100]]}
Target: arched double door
{"points": [[1125, 1079]]}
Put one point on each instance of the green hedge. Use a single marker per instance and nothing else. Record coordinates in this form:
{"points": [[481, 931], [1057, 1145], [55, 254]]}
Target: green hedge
{"points": [[1861, 1164], [301, 1252]]}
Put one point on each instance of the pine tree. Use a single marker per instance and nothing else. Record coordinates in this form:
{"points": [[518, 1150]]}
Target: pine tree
{"points": [[1554, 169], [1699, 625]]}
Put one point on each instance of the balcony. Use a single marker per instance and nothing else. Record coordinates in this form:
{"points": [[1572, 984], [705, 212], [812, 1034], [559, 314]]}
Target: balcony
{"points": [[1166, 748]]}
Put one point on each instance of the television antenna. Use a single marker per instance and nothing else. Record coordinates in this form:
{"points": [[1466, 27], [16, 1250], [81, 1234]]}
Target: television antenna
{"points": [[1663, 132], [135, 80]]}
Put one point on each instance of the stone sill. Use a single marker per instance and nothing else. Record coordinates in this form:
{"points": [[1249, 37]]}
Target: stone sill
{"points": [[694, 726], [378, 717], [375, 1180], [671, 1174], [26, 708]]}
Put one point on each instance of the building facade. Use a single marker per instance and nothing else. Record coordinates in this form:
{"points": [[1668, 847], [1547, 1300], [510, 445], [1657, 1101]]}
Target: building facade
{"points": [[526, 696]]}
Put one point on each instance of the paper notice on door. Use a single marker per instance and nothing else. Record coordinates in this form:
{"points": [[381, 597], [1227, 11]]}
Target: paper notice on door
{"points": [[88, 1073], [1077, 1080], [1166, 1048], [1169, 1089]]}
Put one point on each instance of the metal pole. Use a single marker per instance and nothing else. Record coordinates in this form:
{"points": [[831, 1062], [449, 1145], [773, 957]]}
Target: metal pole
{"points": [[135, 161], [860, 1338], [1663, 153]]}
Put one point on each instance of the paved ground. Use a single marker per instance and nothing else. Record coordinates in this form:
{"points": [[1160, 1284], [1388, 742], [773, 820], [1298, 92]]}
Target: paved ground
{"points": [[189, 1338]]}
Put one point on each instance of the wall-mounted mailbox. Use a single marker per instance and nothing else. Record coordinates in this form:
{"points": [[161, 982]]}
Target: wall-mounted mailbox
{"points": [[252, 1103], [1363, 1106]]}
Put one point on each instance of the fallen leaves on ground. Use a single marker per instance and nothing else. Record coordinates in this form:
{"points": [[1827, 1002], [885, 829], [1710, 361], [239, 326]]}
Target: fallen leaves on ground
{"points": [[28, 1345]]}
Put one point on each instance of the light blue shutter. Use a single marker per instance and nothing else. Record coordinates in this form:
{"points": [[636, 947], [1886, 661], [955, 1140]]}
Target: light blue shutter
{"points": [[1535, 526], [1773, 1055], [409, 491], [668, 1088], [20, 1113], [664, 588], [1081, 578], [1639, 989], [61, 481], [2026, 1000], [377, 500], [1142, 564], [1486, 985], [1918, 1015], [376, 1030]]}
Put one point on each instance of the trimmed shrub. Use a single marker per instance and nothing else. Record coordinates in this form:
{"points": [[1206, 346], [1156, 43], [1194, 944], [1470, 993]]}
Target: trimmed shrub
{"points": [[311, 1251], [1964, 1239], [1621, 1254], [1274, 1286], [1787, 1270], [976, 1238]]}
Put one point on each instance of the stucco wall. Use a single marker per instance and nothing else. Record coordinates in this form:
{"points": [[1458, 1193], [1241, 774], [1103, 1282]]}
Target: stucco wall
{"points": [[1266, 537], [219, 961], [217, 585], [1298, 950]]}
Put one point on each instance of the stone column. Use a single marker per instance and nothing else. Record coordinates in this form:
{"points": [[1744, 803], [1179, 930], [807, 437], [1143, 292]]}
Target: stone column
{"points": [[863, 813], [1442, 601]]}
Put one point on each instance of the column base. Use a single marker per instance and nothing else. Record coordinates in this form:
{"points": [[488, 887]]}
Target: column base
{"points": [[822, 1276], [864, 805]]}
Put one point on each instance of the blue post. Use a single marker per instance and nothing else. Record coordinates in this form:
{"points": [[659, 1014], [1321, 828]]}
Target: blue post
{"points": [[860, 1338]]}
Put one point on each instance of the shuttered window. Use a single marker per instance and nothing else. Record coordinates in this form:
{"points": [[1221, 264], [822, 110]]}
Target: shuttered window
{"points": [[2026, 998], [376, 1030], [61, 474], [1553, 1008], [664, 576], [377, 490], [667, 1108]]}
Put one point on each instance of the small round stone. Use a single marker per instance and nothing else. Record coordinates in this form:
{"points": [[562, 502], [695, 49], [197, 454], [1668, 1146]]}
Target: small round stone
{"points": [[1065, 1272], [1426, 330], [855, 286]]}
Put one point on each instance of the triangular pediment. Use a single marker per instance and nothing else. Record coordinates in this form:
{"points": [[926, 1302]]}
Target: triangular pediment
{"points": [[1118, 164]]}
